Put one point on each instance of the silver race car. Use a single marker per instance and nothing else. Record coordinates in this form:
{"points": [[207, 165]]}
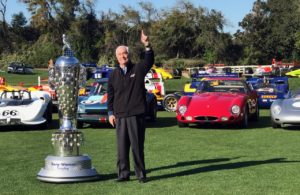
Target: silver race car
{"points": [[22, 107], [286, 112]]}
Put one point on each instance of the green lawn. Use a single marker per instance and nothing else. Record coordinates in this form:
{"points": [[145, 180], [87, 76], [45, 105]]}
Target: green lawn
{"points": [[195, 160]]}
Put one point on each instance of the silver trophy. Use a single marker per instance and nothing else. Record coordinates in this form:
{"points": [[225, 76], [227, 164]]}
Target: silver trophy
{"points": [[67, 164]]}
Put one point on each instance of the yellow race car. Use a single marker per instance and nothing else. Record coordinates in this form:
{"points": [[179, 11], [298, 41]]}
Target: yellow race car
{"points": [[163, 72], [294, 72]]}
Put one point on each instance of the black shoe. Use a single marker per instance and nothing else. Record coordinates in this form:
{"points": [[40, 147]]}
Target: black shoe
{"points": [[122, 179], [142, 180]]}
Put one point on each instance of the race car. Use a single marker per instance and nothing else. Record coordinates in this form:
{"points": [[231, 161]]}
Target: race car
{"points": [[293, 72], [170, 101], [46, 88], [101, 72], [23, 107], [268, 93], [270, 89], [163, 72], [219, 100], [93, 108], [157, 87], [263, 70], [286, 112], [19, 68]]}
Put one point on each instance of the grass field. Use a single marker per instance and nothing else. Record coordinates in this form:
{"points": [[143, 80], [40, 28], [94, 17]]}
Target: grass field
{"points": [[195, 160]]}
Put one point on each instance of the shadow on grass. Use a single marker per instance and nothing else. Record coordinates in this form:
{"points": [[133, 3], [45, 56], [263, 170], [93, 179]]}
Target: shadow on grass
{"points": [[210, 168], [162, 122], [291, 128], [190, 163], [8, 128]]}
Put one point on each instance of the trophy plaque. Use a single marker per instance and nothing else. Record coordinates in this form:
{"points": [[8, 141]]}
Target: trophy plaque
{"points": [[67, 164]]}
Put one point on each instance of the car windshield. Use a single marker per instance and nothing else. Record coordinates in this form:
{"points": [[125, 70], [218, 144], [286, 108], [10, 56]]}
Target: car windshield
{"points": [[221, 86], [15, 95], [99, 88], [270, 88]]}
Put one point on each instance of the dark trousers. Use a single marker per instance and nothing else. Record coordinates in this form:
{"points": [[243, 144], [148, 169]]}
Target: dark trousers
{"points": [[131, 132]]}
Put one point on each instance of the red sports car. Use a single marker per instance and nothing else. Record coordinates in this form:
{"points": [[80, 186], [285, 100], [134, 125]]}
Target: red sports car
{"points": [[219, 100]]}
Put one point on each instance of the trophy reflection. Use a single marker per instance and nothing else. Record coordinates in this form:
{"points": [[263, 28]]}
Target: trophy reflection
{"points": [[67, 164]]}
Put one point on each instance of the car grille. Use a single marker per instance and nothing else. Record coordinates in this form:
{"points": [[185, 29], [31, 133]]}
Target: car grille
{"points": [[11, 122], [92, 116], [206, 118]]}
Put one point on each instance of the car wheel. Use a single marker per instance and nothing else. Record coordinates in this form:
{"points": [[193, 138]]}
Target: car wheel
{"points": [[48, 116], [49, 112], [245, 120], [256, 115], [79, 125], [153, 111], [170, 103], [182, 125], [274, 125]]}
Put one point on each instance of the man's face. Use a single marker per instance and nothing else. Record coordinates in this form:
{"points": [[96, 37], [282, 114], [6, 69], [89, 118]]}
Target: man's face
{"points": [[122, 56]]}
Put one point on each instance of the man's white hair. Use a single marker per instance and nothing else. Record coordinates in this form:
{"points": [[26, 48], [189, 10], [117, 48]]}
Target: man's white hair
{"points": [[122, 46]]}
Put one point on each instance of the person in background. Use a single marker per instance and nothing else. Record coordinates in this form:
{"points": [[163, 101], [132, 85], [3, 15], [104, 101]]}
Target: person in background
{"points": [[127, 107]]}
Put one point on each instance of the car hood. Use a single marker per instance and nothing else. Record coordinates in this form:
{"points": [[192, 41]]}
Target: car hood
{"points": [[291, 104], [214, 102], [93, 102]]}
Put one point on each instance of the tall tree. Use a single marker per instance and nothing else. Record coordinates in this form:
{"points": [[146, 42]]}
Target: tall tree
{"points": [[4, 34], [269, 31]]}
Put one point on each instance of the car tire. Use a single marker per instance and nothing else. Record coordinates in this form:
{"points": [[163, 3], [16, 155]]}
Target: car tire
{"points": [[49, 112], [153, 110], [79, 125], [245, 120], [170, 102], [274, 125], [182, 125], [48, 116], [256, 115]]}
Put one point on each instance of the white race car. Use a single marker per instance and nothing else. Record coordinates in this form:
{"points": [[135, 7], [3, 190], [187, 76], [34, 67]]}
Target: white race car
{"points": [[22, 107]]}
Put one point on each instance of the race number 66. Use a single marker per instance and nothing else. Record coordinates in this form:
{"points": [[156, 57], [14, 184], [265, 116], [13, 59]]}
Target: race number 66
{"points": [[9, 113]]}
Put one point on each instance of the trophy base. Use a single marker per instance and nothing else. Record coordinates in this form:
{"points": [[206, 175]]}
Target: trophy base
{"points": [[68, 169]]}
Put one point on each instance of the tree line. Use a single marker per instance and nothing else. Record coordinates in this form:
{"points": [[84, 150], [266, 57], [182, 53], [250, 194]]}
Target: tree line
{"points": [[184, 35]]}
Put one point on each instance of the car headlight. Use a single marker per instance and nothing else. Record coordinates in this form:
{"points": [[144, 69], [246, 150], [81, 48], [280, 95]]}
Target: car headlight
{"points": [[235, 109], [182, 109], [81, 108], [276, 109]]}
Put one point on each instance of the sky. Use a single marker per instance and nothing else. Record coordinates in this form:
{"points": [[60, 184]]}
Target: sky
{"points": [[233, 10]]}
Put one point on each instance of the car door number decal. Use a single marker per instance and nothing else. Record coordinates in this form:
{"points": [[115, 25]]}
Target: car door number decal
{"points": [[10, 113], [98, 75]]}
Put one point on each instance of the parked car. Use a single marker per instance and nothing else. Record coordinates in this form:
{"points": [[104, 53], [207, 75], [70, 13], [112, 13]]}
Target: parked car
{"points": [[93, 108], [90, 68], [163, 72], [293, 72], [268, 93], [19, 68], [101, 72], [22, 107], [219, 100], [157, 87], [286, 112], [170, 101]]}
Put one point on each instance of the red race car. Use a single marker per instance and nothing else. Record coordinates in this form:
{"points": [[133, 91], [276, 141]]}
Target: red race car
{"points": [[219, 100]]}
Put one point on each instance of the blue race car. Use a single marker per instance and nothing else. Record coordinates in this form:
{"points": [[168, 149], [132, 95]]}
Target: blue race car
{"points": [[92, 109], [102, 72], [270, 89]]}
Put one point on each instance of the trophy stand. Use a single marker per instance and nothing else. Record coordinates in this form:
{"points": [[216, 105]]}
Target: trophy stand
{"points": [[67, 164]]}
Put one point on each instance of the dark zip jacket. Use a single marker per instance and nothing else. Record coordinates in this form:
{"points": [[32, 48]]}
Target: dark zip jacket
{"points": [[127, 93]]}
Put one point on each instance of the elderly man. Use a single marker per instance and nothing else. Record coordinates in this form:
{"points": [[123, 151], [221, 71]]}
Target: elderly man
{"points": [[127, 107]]}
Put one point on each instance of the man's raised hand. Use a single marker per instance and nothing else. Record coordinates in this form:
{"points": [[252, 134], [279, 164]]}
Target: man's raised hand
{"points": [[144, 39]]}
